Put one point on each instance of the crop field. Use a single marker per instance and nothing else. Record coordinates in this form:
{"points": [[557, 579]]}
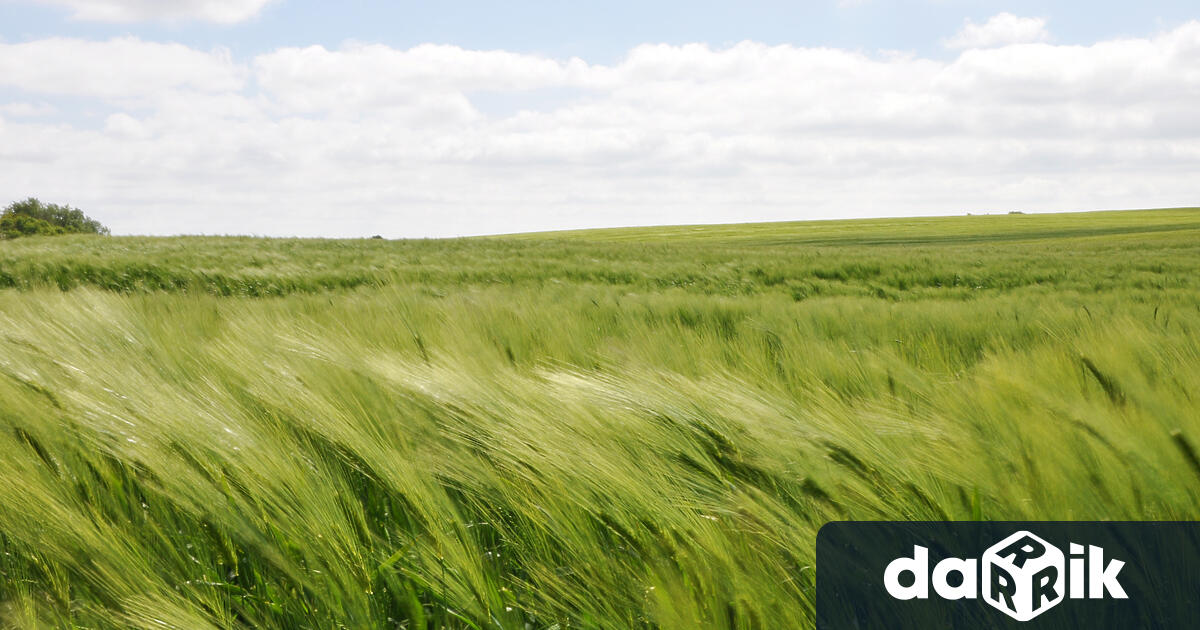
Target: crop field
{"points": [[635, 428]]}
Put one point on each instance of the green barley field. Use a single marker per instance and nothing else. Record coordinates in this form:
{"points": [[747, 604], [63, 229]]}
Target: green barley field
{"points": [[633, 428]]}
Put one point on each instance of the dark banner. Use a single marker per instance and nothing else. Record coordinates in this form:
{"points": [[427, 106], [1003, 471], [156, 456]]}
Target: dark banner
{"points": [[1026, 575]]}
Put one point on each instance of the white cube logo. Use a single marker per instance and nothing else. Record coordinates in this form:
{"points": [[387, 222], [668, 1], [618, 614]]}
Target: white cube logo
{"points": [[1023, 576]]}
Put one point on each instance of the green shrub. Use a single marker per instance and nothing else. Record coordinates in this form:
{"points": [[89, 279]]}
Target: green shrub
{"points": [[14, 225], [32, 217]]}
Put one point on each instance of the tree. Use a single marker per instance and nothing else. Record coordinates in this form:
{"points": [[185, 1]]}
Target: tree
{"points": [[32, 217]]}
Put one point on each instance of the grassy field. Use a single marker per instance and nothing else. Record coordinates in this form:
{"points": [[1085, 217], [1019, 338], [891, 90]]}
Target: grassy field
{"points": [[637, 428]]}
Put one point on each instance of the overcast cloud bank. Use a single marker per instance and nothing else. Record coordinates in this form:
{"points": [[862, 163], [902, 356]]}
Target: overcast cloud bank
{"points": [[437, 140]]}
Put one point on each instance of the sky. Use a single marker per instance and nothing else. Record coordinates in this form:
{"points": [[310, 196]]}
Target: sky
{"points": [[405, 119]]}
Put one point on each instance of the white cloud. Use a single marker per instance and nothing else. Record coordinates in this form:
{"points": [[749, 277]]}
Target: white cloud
{"points": [[1000, 30], [220, 11], [370, 139], [428, 80], [26, 110], [118, 70]]}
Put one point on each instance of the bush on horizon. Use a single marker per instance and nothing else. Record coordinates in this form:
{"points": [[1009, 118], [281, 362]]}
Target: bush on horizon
{"points": [[31, 217]]}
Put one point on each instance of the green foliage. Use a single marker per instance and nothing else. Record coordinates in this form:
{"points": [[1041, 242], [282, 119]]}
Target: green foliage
{"points": [[13, 225], [573, 430], [32, 217]]}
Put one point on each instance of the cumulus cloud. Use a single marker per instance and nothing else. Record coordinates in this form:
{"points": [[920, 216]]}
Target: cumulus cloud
{"points": [[428, 80], [124, 70], [220, 11], [370, 139], [999, 30]]}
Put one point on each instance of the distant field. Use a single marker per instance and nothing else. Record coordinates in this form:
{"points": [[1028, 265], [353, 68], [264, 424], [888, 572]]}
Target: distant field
{"points": [[636, 428]]}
